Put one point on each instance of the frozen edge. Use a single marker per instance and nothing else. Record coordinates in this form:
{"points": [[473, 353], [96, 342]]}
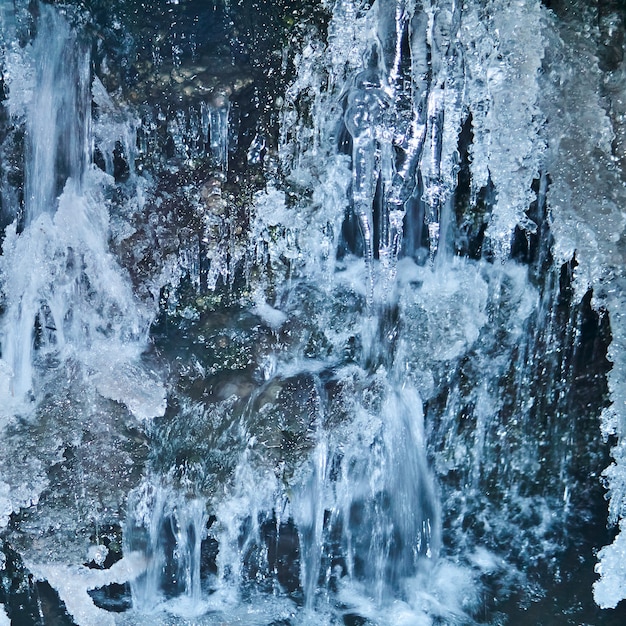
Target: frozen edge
{"points": [[72, 582], [611, 588]]}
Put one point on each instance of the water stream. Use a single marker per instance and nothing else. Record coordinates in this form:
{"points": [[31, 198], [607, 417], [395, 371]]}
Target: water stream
{"points": [[312, 313]]}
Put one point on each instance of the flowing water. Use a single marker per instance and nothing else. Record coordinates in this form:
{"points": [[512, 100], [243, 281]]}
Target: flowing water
{"points": [[312, 313]]}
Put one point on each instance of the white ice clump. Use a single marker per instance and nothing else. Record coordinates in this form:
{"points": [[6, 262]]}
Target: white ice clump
{"points": [[6, 373], [448, 310], [132, 385], [271, 316], [4, 618], [503, 64], [72, 582], [14, 497], [113, 126], [6, 507], [611, 588], [305, 237]]}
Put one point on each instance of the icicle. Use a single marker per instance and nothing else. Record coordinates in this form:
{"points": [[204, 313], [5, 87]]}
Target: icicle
{"points": [[218, 130], [364, 119], [396, 196], [430, 167]]}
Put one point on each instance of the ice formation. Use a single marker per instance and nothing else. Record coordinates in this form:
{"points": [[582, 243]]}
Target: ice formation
{"points": [[296, 328]]}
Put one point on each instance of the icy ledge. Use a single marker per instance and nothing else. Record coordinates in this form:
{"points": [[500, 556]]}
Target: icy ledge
{"points": [[611, 566], [72, 582]]}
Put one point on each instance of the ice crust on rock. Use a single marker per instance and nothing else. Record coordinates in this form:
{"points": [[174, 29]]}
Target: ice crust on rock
{"points": [[73, 582], [537, 106], [611, 588], [587, 195], [503, 67]]}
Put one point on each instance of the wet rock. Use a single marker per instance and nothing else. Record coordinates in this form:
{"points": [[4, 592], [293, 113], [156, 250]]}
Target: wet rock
{"points": [[285, 418], [114, 597]]}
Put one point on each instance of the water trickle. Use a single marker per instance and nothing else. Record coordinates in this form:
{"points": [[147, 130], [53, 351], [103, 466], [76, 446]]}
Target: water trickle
{"points": [[169, 530], [65, 295], [58, 122]]}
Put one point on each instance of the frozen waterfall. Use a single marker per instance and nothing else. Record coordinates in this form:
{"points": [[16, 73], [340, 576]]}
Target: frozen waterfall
{"points": [[311, 313]]}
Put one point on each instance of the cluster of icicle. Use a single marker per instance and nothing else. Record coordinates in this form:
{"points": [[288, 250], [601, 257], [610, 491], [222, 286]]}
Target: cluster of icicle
{"points": [[540, 107]]}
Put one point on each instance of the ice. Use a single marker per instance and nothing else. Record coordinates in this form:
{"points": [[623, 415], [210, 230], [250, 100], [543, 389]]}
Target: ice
{"points": [[384, 394], [73, 582], [6, 507], [132, 385], [449, 309], [611, 588], [586, 199], [504, 64], [301, 236], [21, 491], [113, 126], [270, 315], [4, 618]]}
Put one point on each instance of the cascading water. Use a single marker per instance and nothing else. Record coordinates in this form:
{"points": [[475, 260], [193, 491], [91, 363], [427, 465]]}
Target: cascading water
{"points": [[305, 312]]}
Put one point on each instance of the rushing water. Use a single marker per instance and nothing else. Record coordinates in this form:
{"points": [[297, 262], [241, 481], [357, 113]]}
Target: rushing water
{"points": [[312, 314]]}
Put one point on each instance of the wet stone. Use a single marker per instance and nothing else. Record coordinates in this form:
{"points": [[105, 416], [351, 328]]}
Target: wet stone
{"points": [[114, 597]]}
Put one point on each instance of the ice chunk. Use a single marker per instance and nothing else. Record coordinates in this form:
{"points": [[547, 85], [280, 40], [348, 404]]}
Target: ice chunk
{"points": [[503, 64], [72, 582], [5, 504], [611, 588], [132, 385], [97, 554], [273, 317], [20, 492], [6, 373]]}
